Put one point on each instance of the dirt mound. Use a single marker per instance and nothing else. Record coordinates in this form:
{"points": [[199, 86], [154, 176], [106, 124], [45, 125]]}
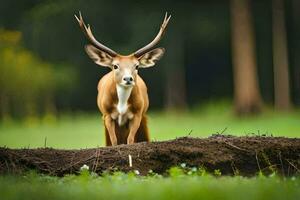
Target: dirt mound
{"points": [[231, 155]]}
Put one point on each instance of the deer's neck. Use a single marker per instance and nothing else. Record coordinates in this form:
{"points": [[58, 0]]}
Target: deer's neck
{"points": [[123, 96]]}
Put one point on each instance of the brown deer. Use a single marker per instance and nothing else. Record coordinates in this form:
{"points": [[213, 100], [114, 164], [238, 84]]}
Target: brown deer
{"points": [[122, 93]]}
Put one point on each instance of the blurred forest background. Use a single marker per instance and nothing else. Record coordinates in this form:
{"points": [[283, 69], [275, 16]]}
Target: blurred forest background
{"points": [[245, 51]]}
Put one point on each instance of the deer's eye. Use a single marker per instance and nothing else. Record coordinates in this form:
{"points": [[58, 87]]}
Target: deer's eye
{"points": [[116, 67], [137, 67]]}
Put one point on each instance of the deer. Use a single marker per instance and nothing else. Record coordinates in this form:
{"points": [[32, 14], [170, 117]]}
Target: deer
{"points": [[122, 94]]}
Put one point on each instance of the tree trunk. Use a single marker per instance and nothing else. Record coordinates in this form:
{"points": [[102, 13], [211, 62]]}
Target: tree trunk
{"points": [[280, 58], [296, 51], [175, 89], [246, 88]]}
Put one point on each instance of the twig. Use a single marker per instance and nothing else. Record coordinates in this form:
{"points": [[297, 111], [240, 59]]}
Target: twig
{"points": [[234, 168], [189, 134], [45, 142], [236, 147], [223, 130], [130, 160], [80, 161], [97, 159], [7, 166], [292, 165], [270, 166], [72, 161], [282, 169], [257, 161]]}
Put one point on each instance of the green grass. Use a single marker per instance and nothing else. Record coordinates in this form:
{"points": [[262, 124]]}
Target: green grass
{"points": [[130, 186], [86, 130]]}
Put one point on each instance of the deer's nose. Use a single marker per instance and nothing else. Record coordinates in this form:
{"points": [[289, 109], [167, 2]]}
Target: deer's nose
{"points": [[128, 79]]}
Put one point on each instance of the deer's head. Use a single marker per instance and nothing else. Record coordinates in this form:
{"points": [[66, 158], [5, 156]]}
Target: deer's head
{"points": [[125, 68]]}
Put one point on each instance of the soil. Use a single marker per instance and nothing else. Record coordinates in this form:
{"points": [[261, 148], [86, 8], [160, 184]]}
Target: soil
{"points": [[231, 155]]}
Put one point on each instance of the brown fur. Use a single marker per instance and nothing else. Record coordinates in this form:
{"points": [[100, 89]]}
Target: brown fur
{"points": [[142, 134], [125, 120], [137, 105]]}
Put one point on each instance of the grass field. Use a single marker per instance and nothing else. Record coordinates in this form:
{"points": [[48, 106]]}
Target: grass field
{"points": [[129, 186], [86, 130]]}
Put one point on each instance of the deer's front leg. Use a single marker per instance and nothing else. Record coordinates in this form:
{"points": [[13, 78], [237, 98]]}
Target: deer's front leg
{"points": [[110, 125], [134, 124]]}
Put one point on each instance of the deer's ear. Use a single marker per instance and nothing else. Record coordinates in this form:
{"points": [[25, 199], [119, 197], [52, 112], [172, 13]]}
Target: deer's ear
{"points": [[150, 58], [99, 57]]}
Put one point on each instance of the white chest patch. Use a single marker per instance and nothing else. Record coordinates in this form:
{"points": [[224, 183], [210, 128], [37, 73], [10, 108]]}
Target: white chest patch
{"points": [[122, 107]]}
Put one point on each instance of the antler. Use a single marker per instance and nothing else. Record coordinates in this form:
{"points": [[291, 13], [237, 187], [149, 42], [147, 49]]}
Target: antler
{"points": [[88, 33], [158, 37]]}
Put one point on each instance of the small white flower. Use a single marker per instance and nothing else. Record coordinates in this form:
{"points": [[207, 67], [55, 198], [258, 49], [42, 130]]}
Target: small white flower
{"points": [[194, 169], [183, 165], [137, 172], [84, 167]]}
